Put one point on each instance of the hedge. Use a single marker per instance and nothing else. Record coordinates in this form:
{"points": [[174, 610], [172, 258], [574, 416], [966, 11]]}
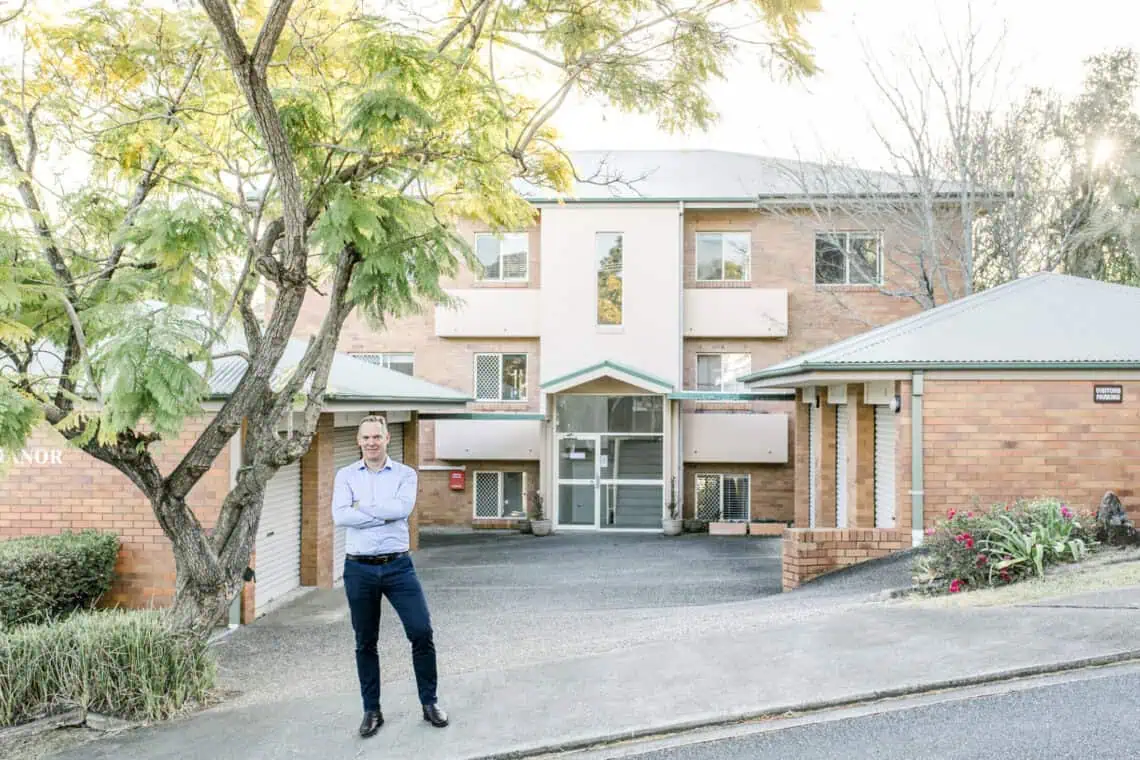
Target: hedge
{"points": [[132, 664], [46, 577]]}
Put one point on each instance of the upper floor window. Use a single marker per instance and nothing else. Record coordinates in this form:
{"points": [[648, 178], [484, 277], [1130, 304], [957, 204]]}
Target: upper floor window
{"points": [[500, 377], [401, 362], [504, 257], [608, 255], [719, 372], [724, 256], [848, 258]]}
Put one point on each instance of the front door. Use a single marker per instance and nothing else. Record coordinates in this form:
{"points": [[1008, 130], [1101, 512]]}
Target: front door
{"points": [[610, 481], [578, 484]]}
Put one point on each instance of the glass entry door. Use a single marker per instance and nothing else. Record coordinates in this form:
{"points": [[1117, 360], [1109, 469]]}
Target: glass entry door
{"points": [[578, 480], [609, 481]]}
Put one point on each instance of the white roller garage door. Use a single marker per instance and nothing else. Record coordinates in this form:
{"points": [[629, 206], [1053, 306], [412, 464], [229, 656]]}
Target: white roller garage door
{"points": [[841, 421], [813, 445], [345, 452], [884, 467], [278, 547]]}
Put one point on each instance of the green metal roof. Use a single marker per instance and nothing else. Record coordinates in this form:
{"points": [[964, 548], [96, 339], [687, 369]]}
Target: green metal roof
{"points": [[608, 365], [1044, 321]]}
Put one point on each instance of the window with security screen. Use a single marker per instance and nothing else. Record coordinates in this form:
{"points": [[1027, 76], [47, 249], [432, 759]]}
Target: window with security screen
{"points": [[723, 497], [500, 494], [500, 377]]}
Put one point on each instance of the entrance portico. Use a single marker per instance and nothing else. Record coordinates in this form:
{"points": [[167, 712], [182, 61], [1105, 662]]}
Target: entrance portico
{"points": [[611, 444]]}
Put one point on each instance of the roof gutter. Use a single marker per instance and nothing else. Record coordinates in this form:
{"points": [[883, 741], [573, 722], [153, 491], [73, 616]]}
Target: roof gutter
{"points": [[803, 369]]}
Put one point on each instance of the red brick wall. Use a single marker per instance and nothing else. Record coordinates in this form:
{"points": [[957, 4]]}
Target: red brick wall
{"points": [[810, 553], [437, 504], [81, 492], [317, 475], [999, 440], [772, 488]]}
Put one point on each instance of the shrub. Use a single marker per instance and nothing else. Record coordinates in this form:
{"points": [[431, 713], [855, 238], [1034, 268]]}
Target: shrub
{"points": [[129, 663], [44, 577], [976, 549]]}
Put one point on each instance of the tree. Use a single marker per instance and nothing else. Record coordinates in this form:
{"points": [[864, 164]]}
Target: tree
{"points": [[292, 145]]}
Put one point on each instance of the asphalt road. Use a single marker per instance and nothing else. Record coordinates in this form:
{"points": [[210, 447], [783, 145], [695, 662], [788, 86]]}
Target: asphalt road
{"points": [[1078, 720]]}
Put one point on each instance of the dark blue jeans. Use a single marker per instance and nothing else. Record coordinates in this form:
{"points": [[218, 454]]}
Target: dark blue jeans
{"points": [[365, 585]]}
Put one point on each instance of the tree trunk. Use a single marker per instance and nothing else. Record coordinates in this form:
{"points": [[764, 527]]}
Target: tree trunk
{"points": [[199, 608]]}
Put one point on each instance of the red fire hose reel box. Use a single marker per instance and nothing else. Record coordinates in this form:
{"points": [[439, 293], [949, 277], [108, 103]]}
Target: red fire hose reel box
{"points": [[457, 480]]}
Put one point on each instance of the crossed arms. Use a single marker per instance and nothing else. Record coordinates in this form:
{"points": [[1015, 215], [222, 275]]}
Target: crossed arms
{"points": [[360, 514]]}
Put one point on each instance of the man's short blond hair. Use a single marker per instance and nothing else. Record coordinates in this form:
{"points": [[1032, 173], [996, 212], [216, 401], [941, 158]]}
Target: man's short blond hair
{"points": [[383, 423]]}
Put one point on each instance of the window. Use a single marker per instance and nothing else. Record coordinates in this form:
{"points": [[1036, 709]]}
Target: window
{"points": [[719, 372], [500, 377], [500, 494], [848, 258], [504, 257], [723, 497], [724, 256], [608, 255], [401, 362]]}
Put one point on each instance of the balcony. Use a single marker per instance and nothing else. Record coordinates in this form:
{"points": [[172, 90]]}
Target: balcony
{"points": [[736, 438], [488, 439], [736, 312], [490, 313]]}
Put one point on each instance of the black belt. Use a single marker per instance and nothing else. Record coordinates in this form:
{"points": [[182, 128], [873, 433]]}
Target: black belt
{"points": [[374, 559]]}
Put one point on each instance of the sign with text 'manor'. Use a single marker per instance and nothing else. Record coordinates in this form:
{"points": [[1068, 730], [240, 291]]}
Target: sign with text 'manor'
{"points": [[1108, 394], [34, 456]]}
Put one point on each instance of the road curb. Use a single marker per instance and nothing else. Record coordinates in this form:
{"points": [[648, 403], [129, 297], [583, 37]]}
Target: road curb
{"points": [[679, 727]]}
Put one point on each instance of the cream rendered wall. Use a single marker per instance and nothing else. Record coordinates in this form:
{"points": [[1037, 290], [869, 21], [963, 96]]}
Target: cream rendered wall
{"points": [[649, 340]]}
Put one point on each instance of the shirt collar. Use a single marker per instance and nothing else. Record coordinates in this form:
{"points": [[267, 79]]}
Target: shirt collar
{"points": [[360, 465]]}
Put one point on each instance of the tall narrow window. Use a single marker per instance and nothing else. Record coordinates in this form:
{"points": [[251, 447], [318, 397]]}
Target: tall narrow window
{"points": [[504, 257], [720, 372], [608, 254]]}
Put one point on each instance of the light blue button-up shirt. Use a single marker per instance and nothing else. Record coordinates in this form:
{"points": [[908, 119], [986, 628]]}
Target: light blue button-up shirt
{"points": [[374, 506]]}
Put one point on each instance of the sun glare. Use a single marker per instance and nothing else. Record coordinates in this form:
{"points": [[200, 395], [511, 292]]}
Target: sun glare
{"points": [[1103, 150]]}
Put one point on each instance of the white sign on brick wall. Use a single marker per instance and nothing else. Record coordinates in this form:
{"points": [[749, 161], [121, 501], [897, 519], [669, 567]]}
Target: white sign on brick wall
{"points": [[39, 455]]}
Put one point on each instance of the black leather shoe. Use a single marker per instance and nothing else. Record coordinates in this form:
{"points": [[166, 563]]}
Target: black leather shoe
{"points": [[435, 716], [371, 723]]}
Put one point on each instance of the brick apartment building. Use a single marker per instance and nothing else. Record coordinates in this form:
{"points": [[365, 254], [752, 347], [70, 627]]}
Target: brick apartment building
{"points": [[604, 345]]}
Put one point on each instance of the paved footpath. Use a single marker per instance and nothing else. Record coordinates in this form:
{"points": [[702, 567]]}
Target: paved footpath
{"points": [[772, 666]]}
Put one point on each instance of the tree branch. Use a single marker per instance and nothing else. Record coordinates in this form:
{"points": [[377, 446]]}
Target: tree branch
{"points": [[269, 35]]}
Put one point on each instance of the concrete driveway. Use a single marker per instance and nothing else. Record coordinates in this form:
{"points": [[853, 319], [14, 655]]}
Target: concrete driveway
{"points": [[502, 599]]}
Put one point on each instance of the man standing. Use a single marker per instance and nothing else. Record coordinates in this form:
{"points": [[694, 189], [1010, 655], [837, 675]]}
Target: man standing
{"points": [[372, 500]]}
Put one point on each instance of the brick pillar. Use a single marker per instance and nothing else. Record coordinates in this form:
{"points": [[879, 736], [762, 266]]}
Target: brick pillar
{"points": [[825, 499], [317, 474], [801, 458], [902, 461], [861, 497], [412, 459]]}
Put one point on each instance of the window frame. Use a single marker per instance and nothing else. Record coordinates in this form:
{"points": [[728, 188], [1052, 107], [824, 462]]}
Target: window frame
{"points": [[500, 480], [499, 237], [697, 255], [720, 476], [741, 387], [383, 359], [597, 290], [846, 249], [502, 357]]}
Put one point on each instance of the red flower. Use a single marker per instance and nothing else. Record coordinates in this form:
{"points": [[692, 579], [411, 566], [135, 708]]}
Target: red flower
{"points": [[1066, 513], [951, 514], [982, 559], [969, 514], [955, 586], [966, 539]]}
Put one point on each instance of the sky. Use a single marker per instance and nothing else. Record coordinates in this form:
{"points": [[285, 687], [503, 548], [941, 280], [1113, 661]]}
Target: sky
{"points": [[828, 117]]}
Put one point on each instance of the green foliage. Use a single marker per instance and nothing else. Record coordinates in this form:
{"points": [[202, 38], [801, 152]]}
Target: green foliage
{"points": [[977, 549], [46, 577], [18, 415], [129, 664], [150, 378]]}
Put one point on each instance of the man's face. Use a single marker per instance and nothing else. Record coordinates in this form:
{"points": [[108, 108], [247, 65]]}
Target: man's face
{"points": [[373, 442]]}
